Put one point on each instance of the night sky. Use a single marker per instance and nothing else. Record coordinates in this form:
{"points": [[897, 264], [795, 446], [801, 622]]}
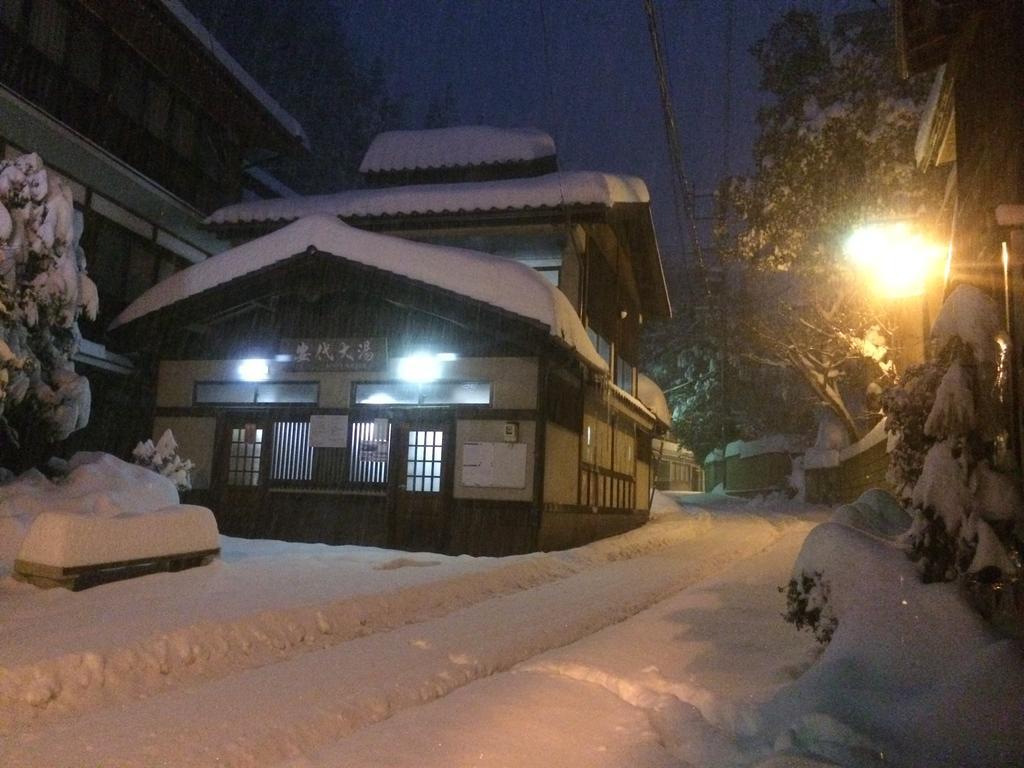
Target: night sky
{"points": [[583, 71]]}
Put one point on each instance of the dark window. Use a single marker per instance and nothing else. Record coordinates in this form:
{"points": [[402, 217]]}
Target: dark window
{"points": [[48, 28], [183, 129], [169, 264], [158, 108], [246, 393], [10, 13], [130, 88], [624, 375], [86, 63], [108, 259]]}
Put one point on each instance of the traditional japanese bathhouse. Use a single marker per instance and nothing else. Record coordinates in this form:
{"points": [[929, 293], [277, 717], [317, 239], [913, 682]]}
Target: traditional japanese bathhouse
{"points": [[338, 385]]}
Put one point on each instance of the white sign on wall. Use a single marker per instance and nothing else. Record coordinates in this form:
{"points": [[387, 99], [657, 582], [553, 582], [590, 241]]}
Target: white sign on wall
{"points": [[328, 431], [494, 465]]}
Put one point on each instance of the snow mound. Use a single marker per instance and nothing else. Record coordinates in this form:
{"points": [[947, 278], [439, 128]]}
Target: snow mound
{"points": [[876, 512], [490, 279], [900, 646], [98, 486], [972, 315], [67, 540], [455, 147]]}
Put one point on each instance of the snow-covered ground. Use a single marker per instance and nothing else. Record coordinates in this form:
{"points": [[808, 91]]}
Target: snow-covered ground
{"points": [[664, 646]]}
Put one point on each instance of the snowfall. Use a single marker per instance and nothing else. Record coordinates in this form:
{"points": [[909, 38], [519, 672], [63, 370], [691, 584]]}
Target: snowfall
{"points": [[664, 646]]}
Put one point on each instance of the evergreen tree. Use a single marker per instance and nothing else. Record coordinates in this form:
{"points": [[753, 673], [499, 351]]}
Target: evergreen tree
{"points": [[43, 290]]}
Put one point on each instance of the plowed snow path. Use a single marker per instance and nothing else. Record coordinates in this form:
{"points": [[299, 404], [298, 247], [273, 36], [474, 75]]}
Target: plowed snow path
{"points": [[297, 706]]}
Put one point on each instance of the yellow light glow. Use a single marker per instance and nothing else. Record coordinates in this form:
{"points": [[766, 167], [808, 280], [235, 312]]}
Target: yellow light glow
{"points": [[897, 258]]}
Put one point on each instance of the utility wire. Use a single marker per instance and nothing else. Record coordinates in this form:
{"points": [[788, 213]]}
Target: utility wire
{"points": [[681, 189]]}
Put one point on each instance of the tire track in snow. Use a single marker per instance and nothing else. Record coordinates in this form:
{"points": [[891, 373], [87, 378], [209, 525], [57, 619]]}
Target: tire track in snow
{"points": [[71, 683], [287, 710]]}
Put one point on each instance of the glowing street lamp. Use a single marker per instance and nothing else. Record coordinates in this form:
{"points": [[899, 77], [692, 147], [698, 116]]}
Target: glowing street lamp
{"points": [[898, 259]]}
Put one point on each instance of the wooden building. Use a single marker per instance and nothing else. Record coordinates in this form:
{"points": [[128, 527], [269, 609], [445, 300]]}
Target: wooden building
{"points": [[151, 124], [500, 305], [974, 128], [344, 386]]}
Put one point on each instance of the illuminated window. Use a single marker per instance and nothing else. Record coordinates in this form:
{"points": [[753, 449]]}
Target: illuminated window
{"points": [[369, 451], [433, 393], [245, 457], [423, 462]]}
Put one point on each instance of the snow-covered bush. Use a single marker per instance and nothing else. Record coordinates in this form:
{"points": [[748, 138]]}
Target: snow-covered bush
{"points": [[946, 458], [43, 290], [163, 459], [807, 605]]}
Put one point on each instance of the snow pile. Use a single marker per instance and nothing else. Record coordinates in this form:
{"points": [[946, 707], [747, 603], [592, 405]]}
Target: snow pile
{"points": [[43, 291], [650, 394], [98, 487], [553, 190], [876, 512], [903, 647], [67, 540], [455, 147], [493, 280], [970, 314]]}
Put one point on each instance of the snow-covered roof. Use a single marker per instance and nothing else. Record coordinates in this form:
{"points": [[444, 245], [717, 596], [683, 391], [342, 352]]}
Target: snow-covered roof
{"points": [[457, 147], [204, 37], [650, 394], [548, 191], [493, 280]]}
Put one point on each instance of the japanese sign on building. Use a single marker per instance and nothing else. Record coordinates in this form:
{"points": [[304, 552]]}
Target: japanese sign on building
{"points": [[323, 354]]}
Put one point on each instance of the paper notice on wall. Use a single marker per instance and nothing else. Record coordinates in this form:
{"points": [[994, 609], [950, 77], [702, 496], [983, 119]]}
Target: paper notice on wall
{"points": [[494, 465], [328, 431]]}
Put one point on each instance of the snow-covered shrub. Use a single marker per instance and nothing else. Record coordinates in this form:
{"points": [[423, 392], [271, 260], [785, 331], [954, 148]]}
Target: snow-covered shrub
{"points": [[163, 459], [965, 509], [906, 408], [807, 605], [43, 290]]}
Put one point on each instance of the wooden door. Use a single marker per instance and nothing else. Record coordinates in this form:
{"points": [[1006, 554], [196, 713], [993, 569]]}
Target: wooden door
{"points": [[243, 468], [422, 484]]}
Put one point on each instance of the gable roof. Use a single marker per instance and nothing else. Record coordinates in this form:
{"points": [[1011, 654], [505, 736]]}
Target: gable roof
{"points": [[493, 280], [456, 147], [551, 191]]}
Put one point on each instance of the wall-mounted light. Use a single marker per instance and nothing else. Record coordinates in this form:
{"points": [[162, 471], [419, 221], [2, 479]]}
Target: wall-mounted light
{"points": [[254, 369], [420, 368], [623, 314]]}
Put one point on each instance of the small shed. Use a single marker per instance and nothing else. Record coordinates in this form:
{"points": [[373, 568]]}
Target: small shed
{"points": [[343, 386]]}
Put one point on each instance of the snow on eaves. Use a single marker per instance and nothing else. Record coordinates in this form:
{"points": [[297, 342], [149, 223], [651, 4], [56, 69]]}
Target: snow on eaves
{"points": [[549, 191], [203, 35], [493, 280], [456, 147], [650, 394]]}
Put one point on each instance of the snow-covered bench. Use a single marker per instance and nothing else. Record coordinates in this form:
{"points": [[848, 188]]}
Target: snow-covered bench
{"points": [[77, 551]]}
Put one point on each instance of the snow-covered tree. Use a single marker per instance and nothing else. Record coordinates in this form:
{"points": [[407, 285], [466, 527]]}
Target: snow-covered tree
{"points": [[43, 290], [967, 507], [835, 149], [163, 459]]}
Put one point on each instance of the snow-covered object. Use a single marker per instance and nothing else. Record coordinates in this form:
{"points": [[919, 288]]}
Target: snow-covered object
{"points": [[163, 458], [553, 190], [67, 540], [953, 410], [500, 282], [876, 512], [943, 485], [972, 315], [456, 147], [44, 289], [650, 394], [899, 646], [98, 486], [789, 444], [207, 40]]}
